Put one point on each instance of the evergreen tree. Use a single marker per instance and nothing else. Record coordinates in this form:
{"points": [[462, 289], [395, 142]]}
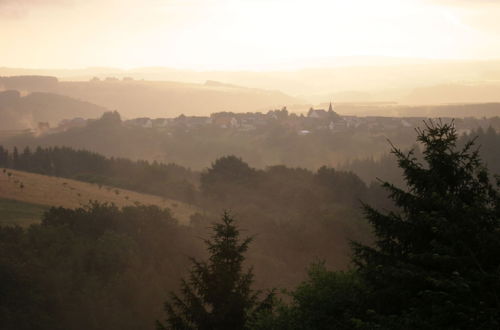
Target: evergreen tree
{"points": [[218, 294], [15, 158], [4, 157], [436, 264]]}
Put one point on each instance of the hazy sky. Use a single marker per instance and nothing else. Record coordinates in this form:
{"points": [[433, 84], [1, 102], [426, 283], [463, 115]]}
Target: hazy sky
{"points": [[240, 34]]}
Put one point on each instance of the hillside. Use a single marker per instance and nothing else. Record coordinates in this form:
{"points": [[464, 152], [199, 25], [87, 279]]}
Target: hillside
{"points": [[19, 213], [41, 190], [166, 99], [140, 98], [402, 80], [25, 112], [453, 110]]}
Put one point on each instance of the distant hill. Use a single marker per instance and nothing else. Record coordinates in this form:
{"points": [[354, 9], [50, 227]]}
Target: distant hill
{"points": [[139, 98], [41, 190], [454, 110], [167, 99], [456, 93], [340, 79], [24, 112]]}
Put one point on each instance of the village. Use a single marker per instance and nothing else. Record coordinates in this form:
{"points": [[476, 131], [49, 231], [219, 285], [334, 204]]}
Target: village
{"points": [[302, 124]]}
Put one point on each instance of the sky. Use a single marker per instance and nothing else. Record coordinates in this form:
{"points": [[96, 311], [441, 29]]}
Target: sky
{"points": [[241, 34]]}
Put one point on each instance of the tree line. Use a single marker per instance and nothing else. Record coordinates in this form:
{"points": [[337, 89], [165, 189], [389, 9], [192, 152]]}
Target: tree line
{"points": [[168, 180], [385, 167]]}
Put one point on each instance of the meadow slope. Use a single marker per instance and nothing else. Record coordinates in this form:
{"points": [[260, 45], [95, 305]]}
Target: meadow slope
{"points": [[45, 190]]}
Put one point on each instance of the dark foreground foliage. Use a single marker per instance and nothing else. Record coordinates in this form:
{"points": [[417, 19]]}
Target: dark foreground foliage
{"points": [[435, 261], [326, 300], [97, 267], [218, 293]]}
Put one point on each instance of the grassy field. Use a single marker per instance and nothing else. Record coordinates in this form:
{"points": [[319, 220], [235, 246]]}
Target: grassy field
{"points": [[26, 194], [20, 213]]}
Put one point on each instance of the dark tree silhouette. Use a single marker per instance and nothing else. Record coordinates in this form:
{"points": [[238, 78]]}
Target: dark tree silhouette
{"points": [[218, 294], [435, 264]]}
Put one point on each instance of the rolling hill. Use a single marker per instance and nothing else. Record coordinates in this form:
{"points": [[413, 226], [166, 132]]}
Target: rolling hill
{"points": [[33, 193], [142, 98], [341, 79], [25, 112]]}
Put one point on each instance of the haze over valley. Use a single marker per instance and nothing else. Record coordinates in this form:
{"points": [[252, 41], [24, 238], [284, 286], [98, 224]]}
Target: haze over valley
{"points": [[385, 79], [249, 164]]}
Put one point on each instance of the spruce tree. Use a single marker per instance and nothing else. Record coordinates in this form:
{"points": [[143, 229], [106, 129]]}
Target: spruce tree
{"points": [[436, 260], [218, 293], [15, 158]]}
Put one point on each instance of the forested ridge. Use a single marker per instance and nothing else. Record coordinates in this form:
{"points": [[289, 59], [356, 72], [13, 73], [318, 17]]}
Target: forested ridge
{"points": [[168, 180], [386, 168]]}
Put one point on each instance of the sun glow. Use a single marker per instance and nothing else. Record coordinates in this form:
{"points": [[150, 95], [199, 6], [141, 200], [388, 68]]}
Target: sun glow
{"points": [[240, 34]]}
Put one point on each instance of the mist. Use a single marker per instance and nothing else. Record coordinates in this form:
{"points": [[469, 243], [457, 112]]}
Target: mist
{"points": [[242, 164]]}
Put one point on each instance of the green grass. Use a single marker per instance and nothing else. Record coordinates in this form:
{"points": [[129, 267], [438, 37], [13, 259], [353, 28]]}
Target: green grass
{"points": [[20, 213]]}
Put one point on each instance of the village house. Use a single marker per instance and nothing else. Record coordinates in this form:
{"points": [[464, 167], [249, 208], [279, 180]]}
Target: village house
{"points": [[66, 124], [352, 121], [252, 119], [338, 125], [197, 121], [225, 120], [143, 122], [323, 114], [161, 122], [317, 113]]}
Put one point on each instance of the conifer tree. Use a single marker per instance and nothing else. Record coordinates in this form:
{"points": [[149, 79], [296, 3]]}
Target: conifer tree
{"points": [[218, 293], [4, 157], [15, 158], [436, 261]]}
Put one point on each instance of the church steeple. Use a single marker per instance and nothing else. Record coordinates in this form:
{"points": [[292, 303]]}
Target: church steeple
{"points": [[330, 108]]}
